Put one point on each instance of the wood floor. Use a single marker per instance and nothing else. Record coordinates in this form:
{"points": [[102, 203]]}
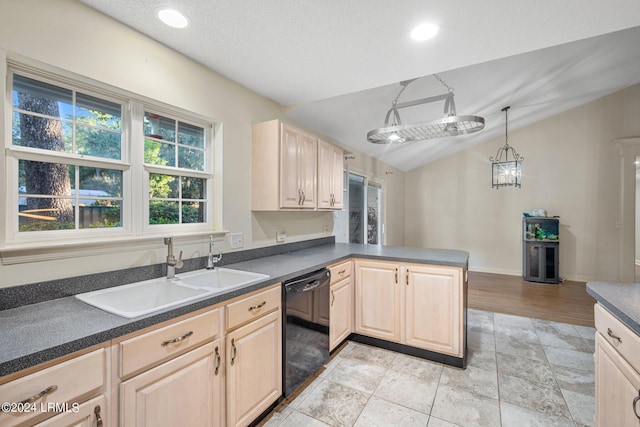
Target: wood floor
{"points": [[567, 302]]}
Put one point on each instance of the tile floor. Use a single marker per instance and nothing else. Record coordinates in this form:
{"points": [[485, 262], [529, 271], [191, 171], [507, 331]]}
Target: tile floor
{"points": [[521, 372]]}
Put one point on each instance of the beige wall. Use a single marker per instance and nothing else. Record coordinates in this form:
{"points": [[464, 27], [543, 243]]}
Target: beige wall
{"points": [[571, 169], [73, 37]]}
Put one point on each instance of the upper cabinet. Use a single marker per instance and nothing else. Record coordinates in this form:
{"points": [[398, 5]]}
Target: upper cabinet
{"points": [[283, 168], [293, 170], [330, 176]]}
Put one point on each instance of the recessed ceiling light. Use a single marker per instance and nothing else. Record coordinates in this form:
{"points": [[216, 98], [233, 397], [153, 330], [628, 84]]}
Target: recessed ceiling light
{"points": [[424, 32], [173, 18]]}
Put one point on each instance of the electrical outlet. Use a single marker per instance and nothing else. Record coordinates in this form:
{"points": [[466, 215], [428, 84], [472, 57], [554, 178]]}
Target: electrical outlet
{"points": [[281, 236], [237, 240]]}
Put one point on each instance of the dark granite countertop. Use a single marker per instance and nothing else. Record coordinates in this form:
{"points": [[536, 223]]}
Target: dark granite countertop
{"points": [[620, 299], [43, 331]]}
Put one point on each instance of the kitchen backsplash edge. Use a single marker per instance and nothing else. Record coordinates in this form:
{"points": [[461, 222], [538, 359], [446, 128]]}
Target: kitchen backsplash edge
{"points": [[17, 296]]}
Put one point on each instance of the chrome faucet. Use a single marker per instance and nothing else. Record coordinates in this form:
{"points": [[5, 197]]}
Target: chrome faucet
{"points": [[211, 260], [172, 262]]}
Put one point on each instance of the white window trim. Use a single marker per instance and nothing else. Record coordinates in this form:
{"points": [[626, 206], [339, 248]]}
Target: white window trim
{"points": [[135, 232]]}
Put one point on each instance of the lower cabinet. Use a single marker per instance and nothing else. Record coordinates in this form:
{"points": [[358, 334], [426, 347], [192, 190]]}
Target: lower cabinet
{"points": [[254, 368], [617, 376], [88, 414], [70, 392], [378, 300], [182, 391], [341, 309], [433, 308], [413, 304]]}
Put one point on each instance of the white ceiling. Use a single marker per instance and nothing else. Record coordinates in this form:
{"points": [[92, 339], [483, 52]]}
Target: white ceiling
{"points": [[335, 64]]}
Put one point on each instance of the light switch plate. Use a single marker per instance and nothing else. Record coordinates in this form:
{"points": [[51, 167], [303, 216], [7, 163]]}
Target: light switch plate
{"points": [[237, 240]]}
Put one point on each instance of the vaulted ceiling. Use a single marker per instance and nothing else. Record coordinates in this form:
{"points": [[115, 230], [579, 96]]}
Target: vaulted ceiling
{"points": [[335, 66]]}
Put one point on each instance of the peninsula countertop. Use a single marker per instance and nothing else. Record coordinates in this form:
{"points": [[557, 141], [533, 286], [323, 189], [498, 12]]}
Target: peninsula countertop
{"points": [[620, 299], [37, 333]]}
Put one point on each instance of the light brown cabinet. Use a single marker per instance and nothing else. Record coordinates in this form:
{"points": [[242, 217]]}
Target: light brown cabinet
{"points": [[70, 382], [378, 300], [616, 377], [417, 305], [254, 360], [283, 168], [182, 391], [330, 176], [340, 303], [173, 375], [87, 414]]}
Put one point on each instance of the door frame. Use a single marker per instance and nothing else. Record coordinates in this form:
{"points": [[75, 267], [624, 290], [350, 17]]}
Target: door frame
{"points": [[370, 177]]}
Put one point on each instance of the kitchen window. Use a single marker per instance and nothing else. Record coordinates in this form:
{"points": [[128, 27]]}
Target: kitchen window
{"points": [[87, 162]]}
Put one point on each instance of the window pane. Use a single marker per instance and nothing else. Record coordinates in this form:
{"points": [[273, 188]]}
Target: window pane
{"points": [[159, 153], [163, 212], [98, 182], [193, 188], [98, 112], [99, 213], [98, 143], [38, 214], [42, 98], [163, 186], [43, 133], [46, 179], [193, 212], [159, 127], [191, 135], [190, 158]]}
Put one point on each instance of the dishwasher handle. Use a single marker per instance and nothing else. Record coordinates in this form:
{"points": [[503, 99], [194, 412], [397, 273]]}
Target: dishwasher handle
{"points": [[306, 284]]}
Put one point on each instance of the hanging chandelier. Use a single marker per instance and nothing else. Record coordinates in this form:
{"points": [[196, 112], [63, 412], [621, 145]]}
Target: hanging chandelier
{"points": [[450, 125], [505, 172]]}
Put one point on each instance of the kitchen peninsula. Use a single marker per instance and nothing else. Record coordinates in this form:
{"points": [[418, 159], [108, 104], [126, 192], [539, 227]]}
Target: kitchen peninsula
{"points": [[425, 289]]}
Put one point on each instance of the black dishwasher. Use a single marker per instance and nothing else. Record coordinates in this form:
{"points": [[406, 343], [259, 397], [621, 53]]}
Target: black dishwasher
{"points": [[306, 327]]}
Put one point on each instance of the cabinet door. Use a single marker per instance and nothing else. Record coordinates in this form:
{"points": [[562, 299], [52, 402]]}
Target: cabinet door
{"points": [[254, 369], [88, 414], [308, 170], [290, 167], [330, 176], [341, 312], [325, 176], [181, 392], [337, 177], [433, 308], [617, 386], [378, 300]]}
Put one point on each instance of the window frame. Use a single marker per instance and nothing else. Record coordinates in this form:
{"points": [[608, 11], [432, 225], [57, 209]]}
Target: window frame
{"points": [[135, 173]]}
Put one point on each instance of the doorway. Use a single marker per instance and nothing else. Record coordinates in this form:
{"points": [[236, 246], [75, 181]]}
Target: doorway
{"points": [[365, 210]]}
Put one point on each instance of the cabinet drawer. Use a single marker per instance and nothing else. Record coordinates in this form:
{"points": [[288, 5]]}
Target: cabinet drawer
{"points": [[153, 347], [623, 339], [71, 381], [252, 307], [340, 271]]}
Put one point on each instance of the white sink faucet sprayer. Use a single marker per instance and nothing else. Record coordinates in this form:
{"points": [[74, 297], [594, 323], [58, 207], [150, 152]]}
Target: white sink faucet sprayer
{"points": [[211, 260], [172, 262]]}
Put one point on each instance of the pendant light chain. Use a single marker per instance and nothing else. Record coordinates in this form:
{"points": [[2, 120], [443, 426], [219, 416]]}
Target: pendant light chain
{"points": [[438, 78]]}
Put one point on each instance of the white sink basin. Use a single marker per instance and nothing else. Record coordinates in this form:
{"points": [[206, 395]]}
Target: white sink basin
{"points": [[220, 278], [137, 299]]}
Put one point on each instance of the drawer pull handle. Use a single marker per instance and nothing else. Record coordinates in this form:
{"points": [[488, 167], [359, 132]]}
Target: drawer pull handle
{"points": [[234, 351], [635, 407], [257, 307], [96, 411], [615, 337], [44, 392], [341, 272], [176, 340], [407, 277], [333, 298], [396, 275], [217, 361]]}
